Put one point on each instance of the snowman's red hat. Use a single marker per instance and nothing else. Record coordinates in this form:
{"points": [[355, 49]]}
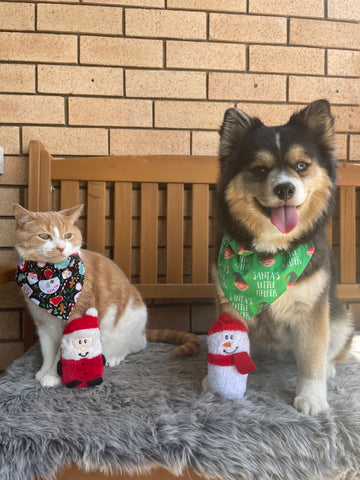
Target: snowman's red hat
{"points": [[226, 323], [86, 322]]}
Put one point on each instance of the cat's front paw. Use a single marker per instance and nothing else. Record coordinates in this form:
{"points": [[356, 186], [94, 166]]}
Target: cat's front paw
{"points": [[48, 379]]}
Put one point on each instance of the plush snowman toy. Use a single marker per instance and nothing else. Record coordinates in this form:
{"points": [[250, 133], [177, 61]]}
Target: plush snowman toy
{"points": [[81, 360], [229, 362]]}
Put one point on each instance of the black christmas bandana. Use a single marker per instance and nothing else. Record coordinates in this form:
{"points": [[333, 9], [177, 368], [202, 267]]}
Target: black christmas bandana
{"points": [[52, 286]]}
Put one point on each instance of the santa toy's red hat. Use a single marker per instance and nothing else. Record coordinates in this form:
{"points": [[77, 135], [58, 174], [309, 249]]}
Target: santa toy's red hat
{"points": [[226, 323], [88, 321]]}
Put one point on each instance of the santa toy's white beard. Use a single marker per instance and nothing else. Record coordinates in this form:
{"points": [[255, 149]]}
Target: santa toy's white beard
{"points": [[69, 352]]}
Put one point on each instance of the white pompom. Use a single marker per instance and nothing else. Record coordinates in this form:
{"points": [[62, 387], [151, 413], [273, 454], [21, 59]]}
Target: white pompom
{"points": [[92, 312]]}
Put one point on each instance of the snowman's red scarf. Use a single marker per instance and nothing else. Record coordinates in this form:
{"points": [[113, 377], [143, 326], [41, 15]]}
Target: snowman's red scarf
{"points": [[52, 286], [241, 361]]}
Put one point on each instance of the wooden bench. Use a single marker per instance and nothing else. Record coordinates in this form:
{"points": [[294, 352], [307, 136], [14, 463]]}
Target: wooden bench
{"points": [[185, 184]]}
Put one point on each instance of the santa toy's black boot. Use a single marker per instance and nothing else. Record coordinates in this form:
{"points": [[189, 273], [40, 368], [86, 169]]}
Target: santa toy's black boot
{"points": [[96, 381]]}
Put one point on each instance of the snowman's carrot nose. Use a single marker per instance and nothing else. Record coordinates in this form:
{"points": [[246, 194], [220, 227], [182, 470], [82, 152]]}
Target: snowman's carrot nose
{"points": [[227, 344]]}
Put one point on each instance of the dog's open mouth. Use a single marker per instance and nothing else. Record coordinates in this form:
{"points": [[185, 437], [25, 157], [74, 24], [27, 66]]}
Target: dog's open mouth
{"points": [[285, 218]]}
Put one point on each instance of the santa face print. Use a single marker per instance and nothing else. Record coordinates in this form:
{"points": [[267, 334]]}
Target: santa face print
{"points": [[228, 342]]}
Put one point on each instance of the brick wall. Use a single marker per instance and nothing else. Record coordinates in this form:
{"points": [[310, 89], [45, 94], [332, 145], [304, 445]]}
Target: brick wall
{"points": [[155, 76]]}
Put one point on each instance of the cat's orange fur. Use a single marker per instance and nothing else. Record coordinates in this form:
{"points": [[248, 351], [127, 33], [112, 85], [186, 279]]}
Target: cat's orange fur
{"points": [[122, 312]]}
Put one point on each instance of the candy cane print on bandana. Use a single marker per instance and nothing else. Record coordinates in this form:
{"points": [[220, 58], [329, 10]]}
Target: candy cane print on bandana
{"points": [[252, 281], [52, 286]]}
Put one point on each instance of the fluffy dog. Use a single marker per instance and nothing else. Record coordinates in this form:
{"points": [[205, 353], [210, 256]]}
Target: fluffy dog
{"points": [[274, 198]]}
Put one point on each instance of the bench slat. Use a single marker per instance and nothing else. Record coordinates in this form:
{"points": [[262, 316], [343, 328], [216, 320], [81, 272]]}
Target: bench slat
{"points": [[347, 235], [123, 226], [175, 233], [149, 233], [200, 233], [96, 217], [69, 194]]}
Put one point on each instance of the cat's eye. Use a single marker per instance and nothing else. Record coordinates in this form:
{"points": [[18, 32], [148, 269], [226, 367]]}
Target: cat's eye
{"points": [[67, 235], [44, 236]]}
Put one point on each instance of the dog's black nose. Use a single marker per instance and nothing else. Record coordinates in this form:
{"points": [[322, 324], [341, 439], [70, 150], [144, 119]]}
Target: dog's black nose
{"points": [[285, 191]]}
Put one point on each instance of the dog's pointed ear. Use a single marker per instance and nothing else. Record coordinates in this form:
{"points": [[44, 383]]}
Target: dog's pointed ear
{"points": [[235, 124], [319, 121]]}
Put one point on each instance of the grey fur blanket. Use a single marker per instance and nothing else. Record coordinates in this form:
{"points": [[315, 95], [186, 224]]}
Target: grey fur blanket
{"points": [[151, 409]]}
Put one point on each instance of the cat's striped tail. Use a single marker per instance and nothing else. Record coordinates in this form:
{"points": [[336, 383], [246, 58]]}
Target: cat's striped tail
{"points": [[188, 343]]}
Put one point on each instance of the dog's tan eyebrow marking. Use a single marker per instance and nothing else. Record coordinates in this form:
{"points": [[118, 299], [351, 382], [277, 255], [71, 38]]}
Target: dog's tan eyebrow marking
{"points": [[297, 154], [264, 158]]}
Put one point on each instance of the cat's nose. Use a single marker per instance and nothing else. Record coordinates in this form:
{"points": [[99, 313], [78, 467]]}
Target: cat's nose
{"points": [[60, 248]]}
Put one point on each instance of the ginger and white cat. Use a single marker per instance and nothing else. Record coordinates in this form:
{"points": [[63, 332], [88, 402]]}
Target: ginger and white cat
{"points": [[52, 238]]}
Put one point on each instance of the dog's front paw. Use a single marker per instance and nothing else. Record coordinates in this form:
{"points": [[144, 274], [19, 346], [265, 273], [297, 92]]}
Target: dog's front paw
{"points": [[310, 405], [311, 396]]}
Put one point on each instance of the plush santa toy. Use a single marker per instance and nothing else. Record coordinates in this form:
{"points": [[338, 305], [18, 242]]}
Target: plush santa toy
{"points": [[81, 360], [228, 359]]}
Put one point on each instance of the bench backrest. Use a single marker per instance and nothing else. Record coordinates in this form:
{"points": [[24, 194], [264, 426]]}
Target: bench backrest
{"points": [[185, 183]]}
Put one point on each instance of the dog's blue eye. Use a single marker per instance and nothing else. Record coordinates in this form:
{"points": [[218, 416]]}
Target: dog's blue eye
{"points": [[301, 166]]}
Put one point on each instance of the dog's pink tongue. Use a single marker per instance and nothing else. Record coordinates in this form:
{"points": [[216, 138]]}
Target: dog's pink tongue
{"points": [[284, 218]]}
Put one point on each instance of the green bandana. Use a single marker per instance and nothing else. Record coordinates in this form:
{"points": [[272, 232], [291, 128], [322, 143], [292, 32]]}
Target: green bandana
{"points": [[252, 281]]}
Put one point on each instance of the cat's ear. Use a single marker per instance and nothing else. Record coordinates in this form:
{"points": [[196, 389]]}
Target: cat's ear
{"points": [[72, 213], [22, 215]]}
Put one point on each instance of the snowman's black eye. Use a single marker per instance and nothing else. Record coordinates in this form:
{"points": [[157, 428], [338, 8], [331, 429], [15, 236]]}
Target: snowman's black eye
{"points": [[80, 342], [226, 337], [231, 337], [85, 341]]}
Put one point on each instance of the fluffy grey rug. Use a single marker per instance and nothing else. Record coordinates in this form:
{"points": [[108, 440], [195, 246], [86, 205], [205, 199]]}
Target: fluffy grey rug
{"points": [[151, 409]]}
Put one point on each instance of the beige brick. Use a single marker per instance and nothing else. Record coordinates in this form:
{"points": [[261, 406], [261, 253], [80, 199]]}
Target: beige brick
{"points": [[347, 119], [9, 140], [336, 90], [247, 28], [206, 115], [17, 16], [8, 196], [17, 78], [130, 3], [121, 51], [293, 8], [286, 59], [68, 141], [7, 229], [205, 55], [149, 142], [202, 317], [165, 23], [9, 352], [31, 109], [344, 63], [205, 143], [80, 19], [256, 87], [355, 148], [16, 171], [38, 47], [209, 5], [110, 112], [270, 114], [176, 318], [165, 84], [341, 147], [343, 10], [80, 80], [318, 33], [9, 325]]}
